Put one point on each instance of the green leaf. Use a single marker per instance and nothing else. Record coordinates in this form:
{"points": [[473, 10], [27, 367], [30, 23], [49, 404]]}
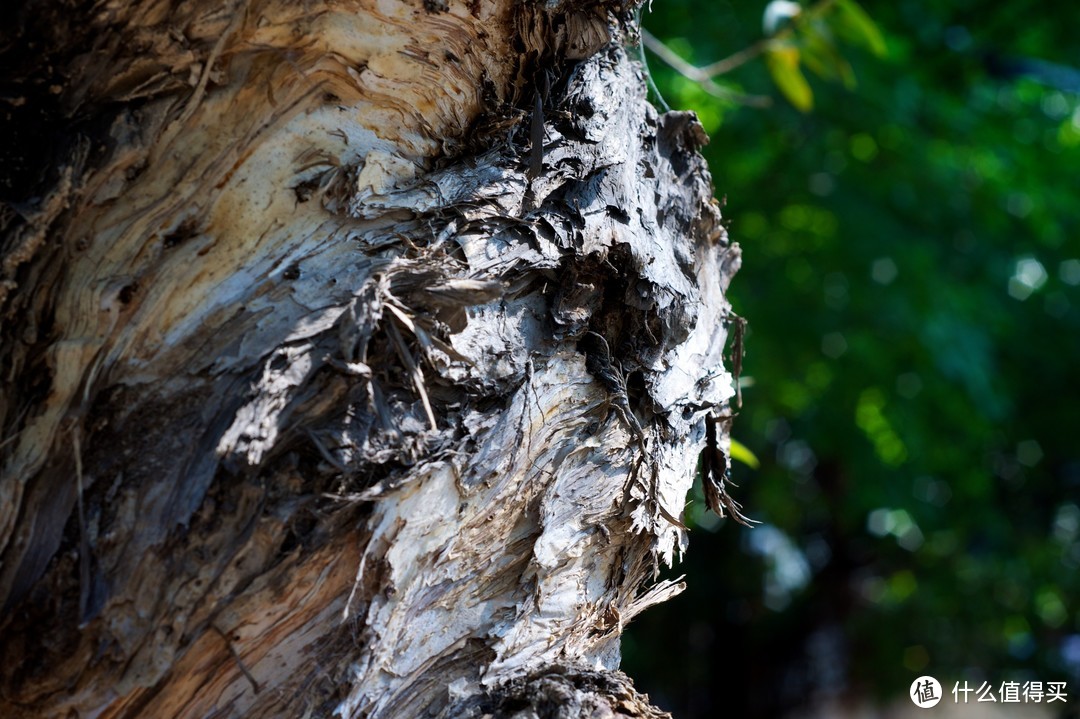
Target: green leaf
{"points": [[783, 64], [821, 57], [740, 453], [855, 26]]}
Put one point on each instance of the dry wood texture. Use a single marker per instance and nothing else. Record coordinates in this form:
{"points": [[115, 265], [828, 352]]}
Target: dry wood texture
{"points": [[357, 357]]}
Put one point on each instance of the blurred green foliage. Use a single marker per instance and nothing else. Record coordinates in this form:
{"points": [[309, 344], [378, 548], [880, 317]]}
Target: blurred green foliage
{"points": [[911, 278]]}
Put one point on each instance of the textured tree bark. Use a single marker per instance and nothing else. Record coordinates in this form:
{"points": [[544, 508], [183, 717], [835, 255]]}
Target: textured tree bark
{"points": [[357, 357]]}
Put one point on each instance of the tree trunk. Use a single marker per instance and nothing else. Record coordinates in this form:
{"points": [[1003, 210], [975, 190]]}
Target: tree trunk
{"points": [[357, 357]]}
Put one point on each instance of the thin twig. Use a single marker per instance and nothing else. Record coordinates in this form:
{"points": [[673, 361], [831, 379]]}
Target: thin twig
{"points": [[668, 55], [704, 75], [236, 657], [729, 63], [698, 75], [645, 61], [215, 53], [415, 373]]}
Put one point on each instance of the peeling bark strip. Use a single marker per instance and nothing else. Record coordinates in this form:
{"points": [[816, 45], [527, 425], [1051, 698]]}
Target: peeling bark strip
{"points": [[357, 357]]}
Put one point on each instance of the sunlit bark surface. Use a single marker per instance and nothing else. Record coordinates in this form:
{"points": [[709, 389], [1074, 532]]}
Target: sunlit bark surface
{"points": [[357, 357]]}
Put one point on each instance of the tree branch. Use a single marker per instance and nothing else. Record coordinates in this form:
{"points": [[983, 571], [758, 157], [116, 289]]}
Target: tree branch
{"points": [[701, 75]]}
